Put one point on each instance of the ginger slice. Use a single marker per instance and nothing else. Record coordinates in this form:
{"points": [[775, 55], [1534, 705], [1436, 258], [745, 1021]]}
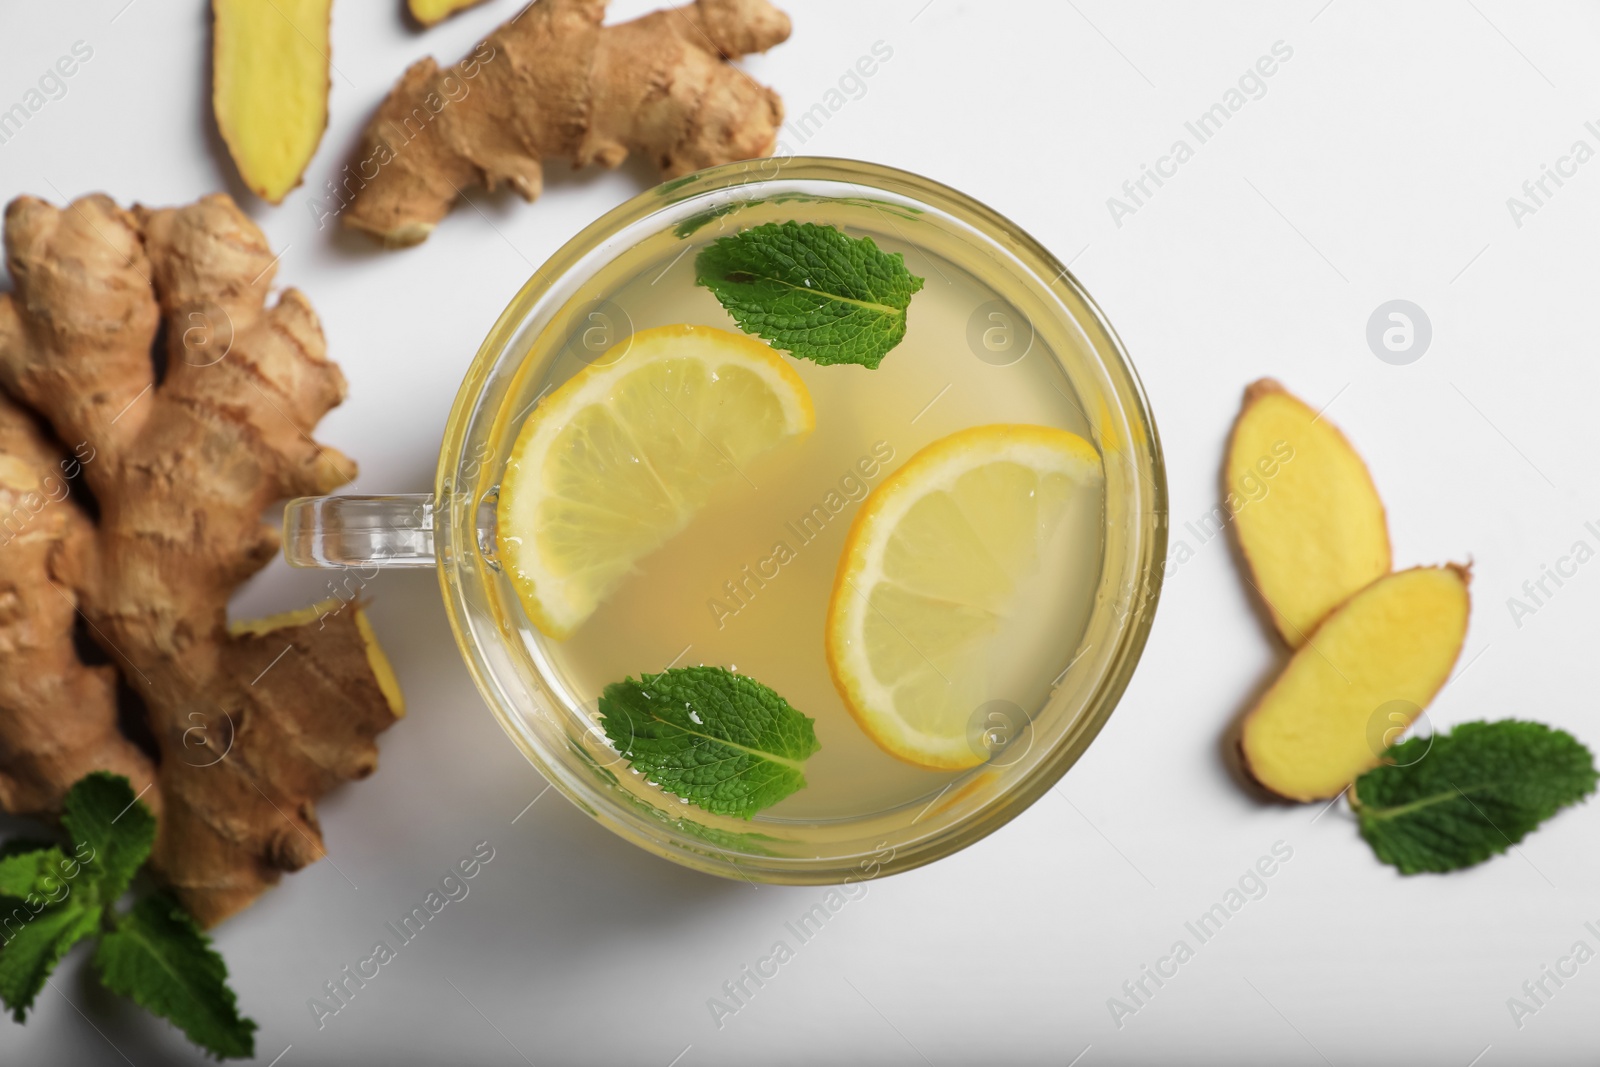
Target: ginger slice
{"points": [[1373, 665], [554, 84], [252, 727], [270, 87], [432, 12], [377, 659], [1309, 520]]}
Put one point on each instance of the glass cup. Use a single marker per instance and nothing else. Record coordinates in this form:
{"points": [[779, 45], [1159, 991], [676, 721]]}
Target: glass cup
{"points": [[453, 530]]}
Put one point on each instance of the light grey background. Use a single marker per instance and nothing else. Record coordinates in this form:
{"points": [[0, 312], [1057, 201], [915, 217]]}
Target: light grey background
{"points": [[1376, 166]]}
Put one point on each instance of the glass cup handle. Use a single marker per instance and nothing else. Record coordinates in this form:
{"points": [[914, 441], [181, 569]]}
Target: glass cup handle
{"points": [[359, 531]]}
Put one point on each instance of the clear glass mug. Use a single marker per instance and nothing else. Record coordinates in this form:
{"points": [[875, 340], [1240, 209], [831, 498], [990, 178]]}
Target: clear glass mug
{"points": [[453, 530]]}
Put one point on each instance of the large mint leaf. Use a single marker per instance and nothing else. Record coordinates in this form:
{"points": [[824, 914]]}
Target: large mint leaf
{"points": [[720, 740], [158, 955], [812, 290], [1473, 794]]}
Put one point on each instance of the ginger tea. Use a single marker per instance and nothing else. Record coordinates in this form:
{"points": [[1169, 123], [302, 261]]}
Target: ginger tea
{"points": [[985, 634]]}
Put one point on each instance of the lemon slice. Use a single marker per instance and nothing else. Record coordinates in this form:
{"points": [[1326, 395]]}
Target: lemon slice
{"points": [[617, 460], [941, 580]]}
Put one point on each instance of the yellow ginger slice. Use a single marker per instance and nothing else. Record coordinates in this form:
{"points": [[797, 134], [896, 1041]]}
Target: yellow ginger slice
{"points": [[432, 12], [1308, 518], [1375, 662], [270, 87]]}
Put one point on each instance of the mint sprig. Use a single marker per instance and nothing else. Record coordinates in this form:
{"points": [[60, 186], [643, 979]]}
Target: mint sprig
{"points": [[51, 898], [1474, 793], [811, 290], [717, 739]]}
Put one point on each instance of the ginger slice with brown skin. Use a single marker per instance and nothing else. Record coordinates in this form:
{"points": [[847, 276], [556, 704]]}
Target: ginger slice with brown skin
{"points": [[554, 84], [251, 727]]}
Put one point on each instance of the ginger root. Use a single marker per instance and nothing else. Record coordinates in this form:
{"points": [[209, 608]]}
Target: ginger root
{"points": [[269, 87], [74, 730], [175, 471], [554, 84], [1317, 533], [432, 12], [1366, 673]]}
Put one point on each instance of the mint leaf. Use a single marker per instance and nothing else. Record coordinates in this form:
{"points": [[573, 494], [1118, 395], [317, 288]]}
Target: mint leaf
{"points": [[812, 290], [1476, 792], [34, 943], [720, 740], [100, 811], [158, 955], [21, 873]]}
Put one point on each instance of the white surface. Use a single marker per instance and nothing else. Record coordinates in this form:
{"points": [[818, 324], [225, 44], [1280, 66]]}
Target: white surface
{"points": [[1376, 166]]}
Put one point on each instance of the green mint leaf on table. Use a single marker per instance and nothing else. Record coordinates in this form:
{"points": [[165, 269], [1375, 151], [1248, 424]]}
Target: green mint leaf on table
{"points": [[811, 290], [717, 739], [100, 812], [1476, 792], [157, 955], [35, 943]]}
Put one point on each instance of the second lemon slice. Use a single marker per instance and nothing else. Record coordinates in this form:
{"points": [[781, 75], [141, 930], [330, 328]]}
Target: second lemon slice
{"points": [[617, 460], [936, 564]]}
